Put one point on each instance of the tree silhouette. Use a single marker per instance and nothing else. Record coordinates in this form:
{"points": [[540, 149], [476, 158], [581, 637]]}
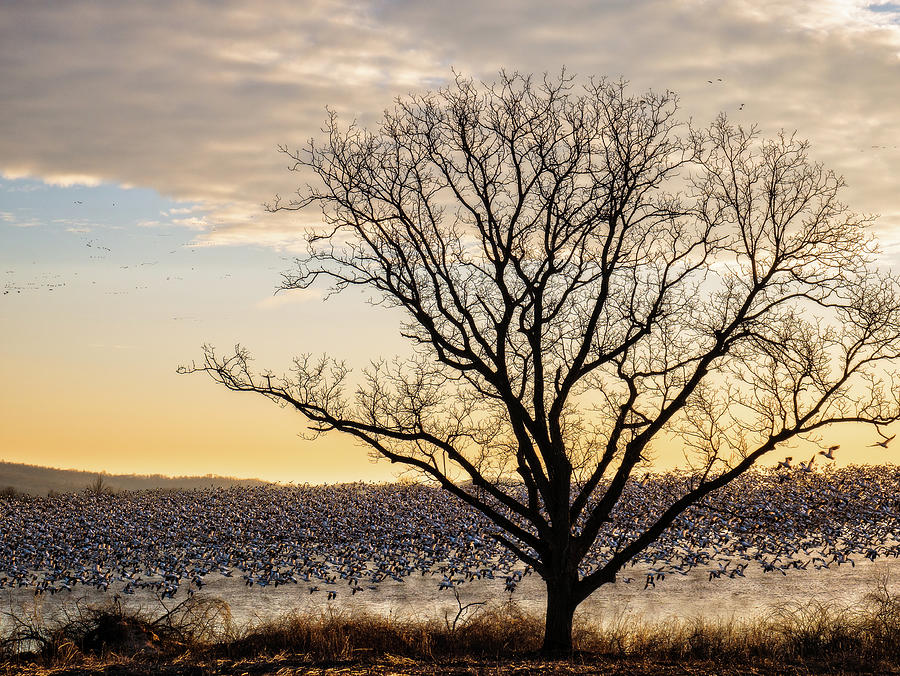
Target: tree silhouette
{"points": [[99, 486], [583, 275]]}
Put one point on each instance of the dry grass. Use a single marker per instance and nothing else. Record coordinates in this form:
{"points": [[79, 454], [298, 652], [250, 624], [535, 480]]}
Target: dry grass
{"points": [[198, 636], [492, 633]]}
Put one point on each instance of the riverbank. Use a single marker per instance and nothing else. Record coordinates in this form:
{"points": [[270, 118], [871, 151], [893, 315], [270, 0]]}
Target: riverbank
{"points": [[198, 636]]}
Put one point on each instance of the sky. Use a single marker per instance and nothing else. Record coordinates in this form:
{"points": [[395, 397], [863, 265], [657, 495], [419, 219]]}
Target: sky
{"points": [[140, 142]]}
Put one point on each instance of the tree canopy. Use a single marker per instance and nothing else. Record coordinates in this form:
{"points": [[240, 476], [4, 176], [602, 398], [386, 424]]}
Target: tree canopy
{"points": [[583, 274]]}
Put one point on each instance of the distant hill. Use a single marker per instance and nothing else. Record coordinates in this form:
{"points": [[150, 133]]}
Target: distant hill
{"points": [[37, 480]]}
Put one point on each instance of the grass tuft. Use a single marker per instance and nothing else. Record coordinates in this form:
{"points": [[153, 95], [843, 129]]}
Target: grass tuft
{"points": [[199, 631]]}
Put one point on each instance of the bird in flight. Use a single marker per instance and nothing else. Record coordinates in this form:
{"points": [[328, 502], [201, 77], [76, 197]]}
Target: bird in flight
{"points": [[884, 443], [830, 452], [786, 463]]}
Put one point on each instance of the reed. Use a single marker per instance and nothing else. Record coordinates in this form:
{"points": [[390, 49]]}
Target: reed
{"points": [[812, 637]]}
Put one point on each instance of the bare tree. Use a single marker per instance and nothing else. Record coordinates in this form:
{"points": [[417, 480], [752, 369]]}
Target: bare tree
{"points": [[583, 275], [99, 486]]}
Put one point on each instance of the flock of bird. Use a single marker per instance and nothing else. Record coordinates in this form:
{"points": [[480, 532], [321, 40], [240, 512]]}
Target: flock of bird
{"points": [[351, 538], [828, 453], [98, 251]]}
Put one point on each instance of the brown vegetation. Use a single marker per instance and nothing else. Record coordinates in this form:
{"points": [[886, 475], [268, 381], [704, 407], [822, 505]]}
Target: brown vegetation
{"points": [[198, 636]]}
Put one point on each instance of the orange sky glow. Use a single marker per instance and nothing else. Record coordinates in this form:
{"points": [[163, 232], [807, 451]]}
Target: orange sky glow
{"points": [[140, 143]]}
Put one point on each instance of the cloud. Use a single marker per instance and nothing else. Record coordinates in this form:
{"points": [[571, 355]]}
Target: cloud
{"points": [[62, 180], [12, 220], [149, 223], [192, 99], [178, 211], [192, 222], [76, 225], [69, 180], [292, 297]]}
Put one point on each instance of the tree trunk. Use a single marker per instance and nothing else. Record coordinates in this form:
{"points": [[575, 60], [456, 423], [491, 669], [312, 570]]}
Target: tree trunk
{"points": [[560, 611]]}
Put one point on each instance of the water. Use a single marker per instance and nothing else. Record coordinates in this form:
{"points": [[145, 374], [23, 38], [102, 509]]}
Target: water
{"points": [[372, 534], [418, 597]]}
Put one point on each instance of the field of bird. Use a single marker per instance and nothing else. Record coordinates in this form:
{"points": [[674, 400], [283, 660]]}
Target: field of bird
{"points": [[410, 553]]}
